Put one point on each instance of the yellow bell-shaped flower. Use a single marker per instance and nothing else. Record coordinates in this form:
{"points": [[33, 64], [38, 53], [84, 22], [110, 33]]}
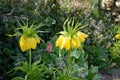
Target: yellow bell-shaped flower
{"points": [[66, 43], [59, 41], [117, 36], [77, 43], [23, 44], [73, 43], [28, 37], [37, 40], [27, 43], [31, 42], [71, 37], [63, 42], [81, 36]]}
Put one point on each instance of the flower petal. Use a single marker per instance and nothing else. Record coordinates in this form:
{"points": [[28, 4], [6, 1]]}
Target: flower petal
{"points": [[23, 44], [59, 41], [81, 36], [37, 40], [32, 43], [67, 43], [117, 36]]}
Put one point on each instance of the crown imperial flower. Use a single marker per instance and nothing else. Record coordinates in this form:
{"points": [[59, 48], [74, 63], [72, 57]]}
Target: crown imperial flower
{"points": [[27, 43], [28, 37], [70, 37]]}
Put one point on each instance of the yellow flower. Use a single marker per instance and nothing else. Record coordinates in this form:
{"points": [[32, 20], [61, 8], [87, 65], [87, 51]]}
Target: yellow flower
{"points": [[68, 43], [65, 43], [117, 36], [73, 43], [37, 40], [81, 36], [28, 37], [27, 43], [23, 44], [77, 43], [70, 37], [31, 42], [59, 41]]}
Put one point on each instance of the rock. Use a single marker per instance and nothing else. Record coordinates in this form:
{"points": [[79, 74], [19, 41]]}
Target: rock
{"points": [[114, 7], [117, 3], [107, 4]]}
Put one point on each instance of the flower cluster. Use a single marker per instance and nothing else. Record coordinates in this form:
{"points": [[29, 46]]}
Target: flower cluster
{"points": [[27, 43], [29, 38], [71, 37]]}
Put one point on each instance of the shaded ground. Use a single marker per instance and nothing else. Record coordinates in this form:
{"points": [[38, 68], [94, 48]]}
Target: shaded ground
{"points": [[113, 74], [1, 76]]}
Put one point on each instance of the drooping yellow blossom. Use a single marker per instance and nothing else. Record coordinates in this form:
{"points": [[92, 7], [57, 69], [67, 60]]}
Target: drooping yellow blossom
{"points": [[117, 36], [37, 40], [59, 41], [28, 37], [77, 43], [23, 44], [65, 43], [70, 38], [27, 43], [70, 43], [81, 36]]}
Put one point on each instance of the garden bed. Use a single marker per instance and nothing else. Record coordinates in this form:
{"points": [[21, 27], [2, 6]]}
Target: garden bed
{"points": [[58, 40]]}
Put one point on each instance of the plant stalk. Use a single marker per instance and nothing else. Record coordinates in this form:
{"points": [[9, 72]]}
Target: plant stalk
{"points": [[68, 64], [30, 59]]}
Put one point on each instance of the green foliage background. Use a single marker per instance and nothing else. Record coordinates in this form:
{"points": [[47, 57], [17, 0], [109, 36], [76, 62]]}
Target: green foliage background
{"points": [[53, 13]]}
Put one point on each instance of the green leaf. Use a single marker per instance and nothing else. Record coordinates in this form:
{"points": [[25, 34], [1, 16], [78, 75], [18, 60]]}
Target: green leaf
{"points": [[76, 78], [94, 69], [18, 78], [49, 21], [75, 54], [24, 67], [96, 77], [35, 64]]}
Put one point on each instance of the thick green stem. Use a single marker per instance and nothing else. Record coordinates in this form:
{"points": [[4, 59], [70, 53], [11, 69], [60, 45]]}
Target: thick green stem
{"points": [[68, 64], [59, 53], [30, 57], [69, 60]]}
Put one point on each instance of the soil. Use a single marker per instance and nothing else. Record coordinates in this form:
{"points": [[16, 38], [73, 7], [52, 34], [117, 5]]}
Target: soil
{"points": [[113, 74]]}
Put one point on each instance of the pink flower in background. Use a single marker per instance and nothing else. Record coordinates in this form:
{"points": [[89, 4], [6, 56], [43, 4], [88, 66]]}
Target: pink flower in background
{"points": [[49, 47]]}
